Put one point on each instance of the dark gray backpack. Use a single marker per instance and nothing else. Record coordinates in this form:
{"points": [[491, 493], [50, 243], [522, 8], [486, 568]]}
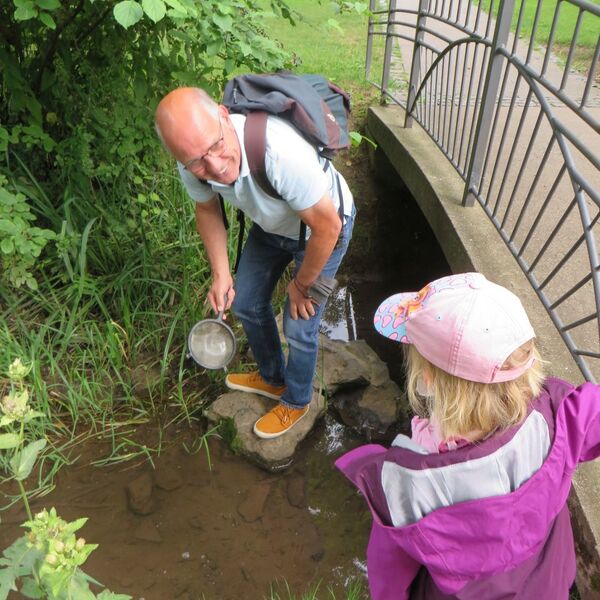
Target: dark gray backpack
{"points": [[317, 108]]}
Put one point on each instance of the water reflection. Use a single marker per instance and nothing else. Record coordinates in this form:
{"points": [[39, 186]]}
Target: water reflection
{"points": [[339, 321]]}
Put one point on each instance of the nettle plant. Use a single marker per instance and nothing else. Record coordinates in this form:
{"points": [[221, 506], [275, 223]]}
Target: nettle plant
{"points": [[20, 243], [45, 562]]}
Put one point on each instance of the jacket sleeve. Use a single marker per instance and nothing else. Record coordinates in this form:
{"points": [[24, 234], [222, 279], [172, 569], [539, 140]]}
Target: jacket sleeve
{"points": [[581, 411], [391, 571]]}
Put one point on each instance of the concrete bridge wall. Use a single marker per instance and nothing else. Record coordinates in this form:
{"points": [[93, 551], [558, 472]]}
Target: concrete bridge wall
{"points": [[471, 243]]}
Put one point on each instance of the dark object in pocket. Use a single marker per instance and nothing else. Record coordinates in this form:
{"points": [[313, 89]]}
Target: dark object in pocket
{"points": [[321, 289]]}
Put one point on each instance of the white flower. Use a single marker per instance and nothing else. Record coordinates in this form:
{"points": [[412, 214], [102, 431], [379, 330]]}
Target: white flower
{"points": [[14, 406], [18, 371]]}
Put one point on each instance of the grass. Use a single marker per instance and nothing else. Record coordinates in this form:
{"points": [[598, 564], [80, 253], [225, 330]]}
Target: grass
{"points": [[131, 278], [131, 290], [564, 31], [354, 590], [337, 50], [320, 46]]}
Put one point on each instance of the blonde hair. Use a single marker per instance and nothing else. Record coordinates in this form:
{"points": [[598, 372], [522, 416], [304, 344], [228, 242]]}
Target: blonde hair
{"points": [[463, 407]]}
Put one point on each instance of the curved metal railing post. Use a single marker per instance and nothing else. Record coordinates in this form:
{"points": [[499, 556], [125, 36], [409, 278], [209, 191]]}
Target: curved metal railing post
{"points": [[415, 69], [370, 30], [516, 113], [389, 45], [489, 95]]}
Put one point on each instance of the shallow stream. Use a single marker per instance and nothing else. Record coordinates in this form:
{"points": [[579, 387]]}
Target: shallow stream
{"points": [[229, 530]]}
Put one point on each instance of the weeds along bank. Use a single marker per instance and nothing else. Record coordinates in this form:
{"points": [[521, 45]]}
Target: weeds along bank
{"points": [[100, 267], [101, 270]]}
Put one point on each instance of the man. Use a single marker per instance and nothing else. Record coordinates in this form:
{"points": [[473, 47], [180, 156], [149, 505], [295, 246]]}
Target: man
{"points": [[208, 144]]}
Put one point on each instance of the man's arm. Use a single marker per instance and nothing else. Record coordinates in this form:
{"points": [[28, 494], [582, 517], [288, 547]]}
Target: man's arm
{"points": [[325, 226], [209, 224]]}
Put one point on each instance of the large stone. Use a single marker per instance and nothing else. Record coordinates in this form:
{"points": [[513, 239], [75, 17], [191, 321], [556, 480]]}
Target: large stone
{"points": [[147, 531], [370, 410], [238, 411], [167, 478], [251, 508], [139, 495], [348, 364], [296, 491]]}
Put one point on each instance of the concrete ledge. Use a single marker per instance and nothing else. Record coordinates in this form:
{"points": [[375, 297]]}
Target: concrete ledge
{"points": [[471, 243]]}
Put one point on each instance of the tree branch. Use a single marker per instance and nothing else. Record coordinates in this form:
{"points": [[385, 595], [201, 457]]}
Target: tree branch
{"points": [[94, 25], [49, 55], [11, 34]]}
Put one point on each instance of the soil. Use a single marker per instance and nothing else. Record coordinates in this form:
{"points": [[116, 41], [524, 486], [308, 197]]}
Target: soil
{"points": [[192, 525]]}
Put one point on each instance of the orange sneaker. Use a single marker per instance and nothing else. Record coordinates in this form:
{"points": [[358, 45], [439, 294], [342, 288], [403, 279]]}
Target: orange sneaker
{"points": [[278, 421], [254, 383]]}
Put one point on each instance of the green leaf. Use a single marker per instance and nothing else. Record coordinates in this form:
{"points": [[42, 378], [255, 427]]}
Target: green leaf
{"points": [[47, 20], [17, 559], [26, 11], [155, 9], [180, 35], [30, 589], [33, 414], [224, 9], [177, 6], [355, 137], [223, 22], [23, 462], [213, 47], [6, 420], [76, 525], [9, 440], [108, 595], [128, 13], [78, 588], [60, 583], [245, 48], [8, 576], [48, 4], [7, 246]]}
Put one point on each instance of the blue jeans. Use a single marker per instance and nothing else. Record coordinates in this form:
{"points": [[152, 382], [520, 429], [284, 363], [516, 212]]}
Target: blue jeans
{"points": [[263, 262]]}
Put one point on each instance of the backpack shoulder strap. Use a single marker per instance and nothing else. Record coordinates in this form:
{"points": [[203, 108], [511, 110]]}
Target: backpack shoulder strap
{"points": [[255, 144]]}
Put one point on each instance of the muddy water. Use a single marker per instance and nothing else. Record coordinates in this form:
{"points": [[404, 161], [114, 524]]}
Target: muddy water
{"points": [[222, 533], [229, 530]]}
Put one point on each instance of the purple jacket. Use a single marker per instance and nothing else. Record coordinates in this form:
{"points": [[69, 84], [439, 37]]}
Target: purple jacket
{"points": [[484, 522]]}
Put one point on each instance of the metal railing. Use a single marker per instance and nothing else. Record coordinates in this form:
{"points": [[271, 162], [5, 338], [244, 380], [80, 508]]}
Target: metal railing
{"points": [[510, 94]]}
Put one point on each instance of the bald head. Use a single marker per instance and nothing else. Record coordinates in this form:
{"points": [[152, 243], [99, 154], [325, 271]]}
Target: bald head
{"points": [[199, 133], [184, 117]]}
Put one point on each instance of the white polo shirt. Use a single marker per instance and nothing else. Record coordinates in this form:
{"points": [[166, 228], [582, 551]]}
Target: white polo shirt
{"points": [[294, 169]]}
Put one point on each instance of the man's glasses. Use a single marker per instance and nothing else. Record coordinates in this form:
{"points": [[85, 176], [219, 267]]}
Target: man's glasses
{"points": [[215, 151]]}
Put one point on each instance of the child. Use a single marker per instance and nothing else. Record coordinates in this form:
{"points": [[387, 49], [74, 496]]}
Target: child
{"points": [[473, 507]]}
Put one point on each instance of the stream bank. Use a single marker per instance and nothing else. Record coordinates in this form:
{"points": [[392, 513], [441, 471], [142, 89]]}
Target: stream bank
{"points": [[198, 521]]}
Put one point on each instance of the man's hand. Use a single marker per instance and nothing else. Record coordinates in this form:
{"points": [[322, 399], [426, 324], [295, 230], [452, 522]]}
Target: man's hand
{"points": [[221, 294], [300, 305], [324, 222]]}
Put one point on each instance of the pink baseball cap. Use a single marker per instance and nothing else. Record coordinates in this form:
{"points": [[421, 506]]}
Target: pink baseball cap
{"points": [[463, 324]]}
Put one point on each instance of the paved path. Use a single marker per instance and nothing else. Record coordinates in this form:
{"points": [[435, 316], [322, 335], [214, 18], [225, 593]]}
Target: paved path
{"points": [[525, 167]]}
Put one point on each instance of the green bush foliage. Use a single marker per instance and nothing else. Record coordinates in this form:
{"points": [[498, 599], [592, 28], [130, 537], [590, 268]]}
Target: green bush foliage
{"points": [[80, 78], [79, 81], [20, 243]]}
